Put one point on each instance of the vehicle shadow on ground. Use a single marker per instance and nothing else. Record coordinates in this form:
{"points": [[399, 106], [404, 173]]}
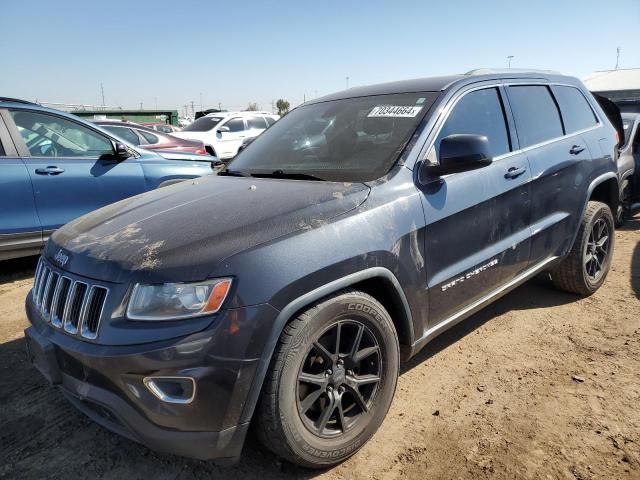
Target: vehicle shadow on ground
{"points": [[536, 293], [17, 269]]}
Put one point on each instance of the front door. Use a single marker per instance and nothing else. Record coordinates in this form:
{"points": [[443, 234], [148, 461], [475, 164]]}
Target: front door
{"points": [[477, 231], [70, 166], [230, 139]]}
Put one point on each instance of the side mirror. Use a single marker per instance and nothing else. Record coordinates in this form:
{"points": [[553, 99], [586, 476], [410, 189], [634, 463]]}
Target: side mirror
{"points": [[120, 151], [223, 129], [461, 153]]}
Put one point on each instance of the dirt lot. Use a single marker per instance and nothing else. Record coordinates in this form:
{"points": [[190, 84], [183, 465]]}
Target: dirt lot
{"points": [[541, 384]]}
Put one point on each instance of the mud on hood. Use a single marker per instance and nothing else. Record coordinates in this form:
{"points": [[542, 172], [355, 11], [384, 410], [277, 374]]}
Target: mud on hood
{"points": [[179, 233]]}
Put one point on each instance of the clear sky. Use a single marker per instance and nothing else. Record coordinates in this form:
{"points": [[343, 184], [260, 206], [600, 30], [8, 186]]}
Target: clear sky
{"points": [[235, 52]]}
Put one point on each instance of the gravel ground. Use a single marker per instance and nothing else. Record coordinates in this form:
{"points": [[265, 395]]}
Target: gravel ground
{"points": [[541, 384]]}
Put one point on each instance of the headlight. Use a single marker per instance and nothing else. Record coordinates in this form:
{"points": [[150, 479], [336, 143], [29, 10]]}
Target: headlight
{"points": [[174, 301]]}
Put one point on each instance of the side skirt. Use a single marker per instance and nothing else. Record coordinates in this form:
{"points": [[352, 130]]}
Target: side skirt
{"points": [[469, 310], [15, 245]]}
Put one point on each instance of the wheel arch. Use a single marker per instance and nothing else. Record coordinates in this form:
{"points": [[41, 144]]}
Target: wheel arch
{"points": [[604, 189], [379, 282]]}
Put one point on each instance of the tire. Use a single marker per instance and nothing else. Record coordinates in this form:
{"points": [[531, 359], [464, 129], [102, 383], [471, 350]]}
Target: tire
{"points": [[293, 429], [624, 206], [578, 272]]}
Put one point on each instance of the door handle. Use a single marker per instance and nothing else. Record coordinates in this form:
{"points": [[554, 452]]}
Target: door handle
{"points": [[515, 172], [50, 170], [576, 149]]}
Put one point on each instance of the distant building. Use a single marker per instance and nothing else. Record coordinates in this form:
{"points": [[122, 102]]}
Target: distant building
{"points": [[622, 84]]}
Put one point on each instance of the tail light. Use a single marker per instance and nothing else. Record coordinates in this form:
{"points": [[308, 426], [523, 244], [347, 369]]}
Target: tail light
{"points": [[200, 151]]}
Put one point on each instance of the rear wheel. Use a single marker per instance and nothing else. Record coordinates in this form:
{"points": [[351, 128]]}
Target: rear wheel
{"points": [[331, 381], [586, 267]]}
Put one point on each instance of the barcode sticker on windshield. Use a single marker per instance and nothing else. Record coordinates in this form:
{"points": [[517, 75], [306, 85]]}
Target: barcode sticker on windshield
{"points": [[394, 111]]}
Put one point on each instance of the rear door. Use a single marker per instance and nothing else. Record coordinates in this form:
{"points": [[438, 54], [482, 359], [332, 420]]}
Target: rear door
{"points": [[556, 161], [20, 231], [477, 233], [70, 166]]}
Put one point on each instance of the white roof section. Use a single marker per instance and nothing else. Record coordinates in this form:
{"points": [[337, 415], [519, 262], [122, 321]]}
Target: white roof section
{"points": [[613, 80]]}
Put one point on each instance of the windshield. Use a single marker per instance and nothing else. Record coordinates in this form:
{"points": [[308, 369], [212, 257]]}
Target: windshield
{"points": [[349, 140], [203, 124]]}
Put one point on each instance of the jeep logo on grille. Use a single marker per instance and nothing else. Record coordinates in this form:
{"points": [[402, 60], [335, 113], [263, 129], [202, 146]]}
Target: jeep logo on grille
{"points": [[62, 258]]}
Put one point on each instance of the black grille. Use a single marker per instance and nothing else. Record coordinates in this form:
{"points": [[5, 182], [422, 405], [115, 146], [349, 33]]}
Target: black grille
{"points": [[72, 305], [97, 298]]}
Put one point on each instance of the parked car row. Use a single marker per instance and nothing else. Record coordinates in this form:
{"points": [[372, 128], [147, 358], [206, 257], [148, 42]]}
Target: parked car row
{"points": [[151, 139], [285, 292], [55, 167]]}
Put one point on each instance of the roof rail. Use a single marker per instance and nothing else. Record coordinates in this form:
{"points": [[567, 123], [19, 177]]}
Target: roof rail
{"points": [[489, 71], [16, 100]]}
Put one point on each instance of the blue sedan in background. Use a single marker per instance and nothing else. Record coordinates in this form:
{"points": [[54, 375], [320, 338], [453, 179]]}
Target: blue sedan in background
{"points": [[55, 167]]}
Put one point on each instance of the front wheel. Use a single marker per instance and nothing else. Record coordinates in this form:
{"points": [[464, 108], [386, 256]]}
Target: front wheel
{"points": [[331, 381], [584, 270]]}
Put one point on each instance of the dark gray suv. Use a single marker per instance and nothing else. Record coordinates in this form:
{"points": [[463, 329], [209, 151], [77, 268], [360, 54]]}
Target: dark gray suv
{"points": [[286, 290]]}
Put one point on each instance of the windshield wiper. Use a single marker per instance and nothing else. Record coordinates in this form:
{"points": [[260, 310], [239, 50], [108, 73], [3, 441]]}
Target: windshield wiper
{"points": [[288, 175]]}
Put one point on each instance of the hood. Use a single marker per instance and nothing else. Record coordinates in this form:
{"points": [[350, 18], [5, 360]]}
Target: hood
{"points": [[180, 233]]}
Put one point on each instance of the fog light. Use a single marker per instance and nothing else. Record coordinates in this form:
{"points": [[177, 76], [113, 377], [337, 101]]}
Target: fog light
{"points": [[172, 389]]}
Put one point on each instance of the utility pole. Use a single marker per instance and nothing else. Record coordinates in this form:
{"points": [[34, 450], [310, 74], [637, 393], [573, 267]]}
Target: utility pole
{"points": [[617, 58], [156, 100], [273, 106], [200, 100], [304, 97], [102, 91], [193, 110], [509, 58], [219, 105], [347, 79], [140, 105]]}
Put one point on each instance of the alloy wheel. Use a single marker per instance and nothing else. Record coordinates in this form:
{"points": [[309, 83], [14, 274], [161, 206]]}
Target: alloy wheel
{"points": [[596, 250], [338, 379]]}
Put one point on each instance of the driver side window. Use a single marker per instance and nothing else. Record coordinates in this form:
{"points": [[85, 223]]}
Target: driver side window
{"points": [[479, 113], [52, 136]]}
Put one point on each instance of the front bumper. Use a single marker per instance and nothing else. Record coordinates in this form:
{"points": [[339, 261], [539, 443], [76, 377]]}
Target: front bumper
{"points": [[106, 382]]}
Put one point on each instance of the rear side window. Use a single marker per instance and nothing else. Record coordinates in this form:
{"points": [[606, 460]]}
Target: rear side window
{"points": [[124, 133], [576, 112], [235, 125], [535, 113], [479, 113], [149, 137], [257, 123], [270, 121]]}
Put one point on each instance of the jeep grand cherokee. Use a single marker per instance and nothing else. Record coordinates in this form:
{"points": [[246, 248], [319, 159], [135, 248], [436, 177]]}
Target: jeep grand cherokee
{"points": [[287, 290]]}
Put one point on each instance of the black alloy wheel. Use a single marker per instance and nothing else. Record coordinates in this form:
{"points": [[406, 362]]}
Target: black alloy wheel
{"points": [[339, 378], [596, 249]]}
